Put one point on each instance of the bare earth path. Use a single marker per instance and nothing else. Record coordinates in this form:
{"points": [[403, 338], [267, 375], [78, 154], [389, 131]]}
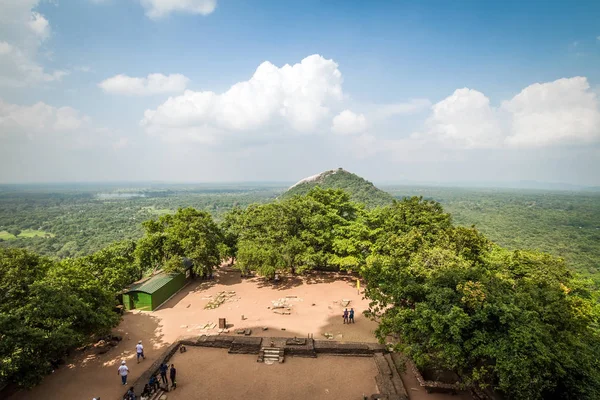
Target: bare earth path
{"points": [[315, 309]]}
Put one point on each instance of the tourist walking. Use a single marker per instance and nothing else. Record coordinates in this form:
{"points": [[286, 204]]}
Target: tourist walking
{"points": [[123, 372], [139, 349], [346, 316], [351, 316], [173, 374], [163, 374]]}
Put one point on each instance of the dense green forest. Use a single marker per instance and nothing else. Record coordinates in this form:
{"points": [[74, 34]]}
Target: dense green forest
{"points": [[83, 219], [561, 223], [519, 322], [77, 220]]}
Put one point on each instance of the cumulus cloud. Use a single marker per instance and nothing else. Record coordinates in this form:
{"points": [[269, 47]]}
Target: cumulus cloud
{"points": [[349, 123], [23, 31], [464, 119], [38, 118], [152, 84], [156, 9], [564, 111], [293, 97], [63, 126]]}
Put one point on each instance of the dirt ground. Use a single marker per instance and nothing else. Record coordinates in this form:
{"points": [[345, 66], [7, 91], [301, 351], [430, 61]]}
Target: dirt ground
{"points": [[236, 376], [316, 309]]}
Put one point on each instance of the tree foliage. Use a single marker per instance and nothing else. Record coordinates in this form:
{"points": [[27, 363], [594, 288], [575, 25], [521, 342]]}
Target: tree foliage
{"points": [[517, 321], [299, 234], [188, 233], [48, 308]]}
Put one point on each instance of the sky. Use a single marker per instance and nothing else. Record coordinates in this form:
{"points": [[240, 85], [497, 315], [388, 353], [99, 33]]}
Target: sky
{"points": [[233, 90]]}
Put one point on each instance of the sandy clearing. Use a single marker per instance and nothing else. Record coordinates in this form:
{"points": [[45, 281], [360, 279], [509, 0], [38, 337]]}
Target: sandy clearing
{"points": [[87, 375], [235, 376]]}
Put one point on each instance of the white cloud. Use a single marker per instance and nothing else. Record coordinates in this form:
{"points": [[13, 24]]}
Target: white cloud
{"points": [[465, 120], [62, 126], [349, 123], [156, 9], [153, 84], [561, 112], [294, 97], [38, 118], [23, 31], [39, 25]]}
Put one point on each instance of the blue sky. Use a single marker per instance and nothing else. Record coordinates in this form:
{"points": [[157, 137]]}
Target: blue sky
{"points": [[420, 91]]}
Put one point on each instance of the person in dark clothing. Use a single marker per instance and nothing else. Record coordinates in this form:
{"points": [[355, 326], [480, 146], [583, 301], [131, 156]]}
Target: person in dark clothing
{"points": [[173, 374], [163, 373], [351, 316], [147, 391], [346, 316], [130, 395], [153, 383]]}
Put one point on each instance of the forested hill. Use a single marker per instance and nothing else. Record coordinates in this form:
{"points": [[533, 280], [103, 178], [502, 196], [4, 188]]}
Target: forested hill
{"points": [[360, 190]]}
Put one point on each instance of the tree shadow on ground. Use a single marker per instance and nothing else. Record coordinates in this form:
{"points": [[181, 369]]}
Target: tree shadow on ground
{"points": [[309, 278], [89, 373]]}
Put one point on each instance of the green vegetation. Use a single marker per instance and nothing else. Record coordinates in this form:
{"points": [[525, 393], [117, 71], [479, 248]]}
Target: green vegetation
{"points": [[519, 321], [359, 189], [27, 233], [564, 224], [83, 219]]}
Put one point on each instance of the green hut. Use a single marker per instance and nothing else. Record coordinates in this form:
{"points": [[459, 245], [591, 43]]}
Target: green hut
{"points": [[149, 294]]}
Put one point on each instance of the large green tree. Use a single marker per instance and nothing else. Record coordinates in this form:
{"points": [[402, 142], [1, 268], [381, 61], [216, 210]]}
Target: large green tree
{"points": [[315, 231], [188, 233], [46, 309], [516, 321]]}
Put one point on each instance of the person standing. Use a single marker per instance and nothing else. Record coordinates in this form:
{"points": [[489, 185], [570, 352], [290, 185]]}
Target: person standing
{"points": [[346, 316], [351, 316], [163, 374], [139, 349], [173, 374], [123, 372]]}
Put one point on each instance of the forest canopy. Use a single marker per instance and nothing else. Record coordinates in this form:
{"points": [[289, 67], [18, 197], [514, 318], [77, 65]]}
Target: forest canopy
{"points": [[518, 321]]}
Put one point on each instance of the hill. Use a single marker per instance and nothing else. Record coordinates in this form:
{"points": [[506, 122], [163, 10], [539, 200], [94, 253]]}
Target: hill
{"points": [[360, 189]]}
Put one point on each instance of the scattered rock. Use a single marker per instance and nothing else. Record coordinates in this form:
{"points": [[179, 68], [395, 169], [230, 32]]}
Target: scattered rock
{"points": [[283, 329], [265, 328]]}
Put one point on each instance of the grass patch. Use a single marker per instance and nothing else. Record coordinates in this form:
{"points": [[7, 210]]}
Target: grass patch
{"points": [[157, 211], [30, 233], [7, 235]]}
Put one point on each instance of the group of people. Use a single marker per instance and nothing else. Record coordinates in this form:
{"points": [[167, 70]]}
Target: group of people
{"points": [[348, 316], [153, 384]]}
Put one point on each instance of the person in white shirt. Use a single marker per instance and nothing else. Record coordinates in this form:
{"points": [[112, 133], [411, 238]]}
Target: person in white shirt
{"points": [[140, 351], [123, 371]]}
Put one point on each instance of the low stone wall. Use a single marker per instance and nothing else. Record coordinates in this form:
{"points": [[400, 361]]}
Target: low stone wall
{"points": [[252, 345]]}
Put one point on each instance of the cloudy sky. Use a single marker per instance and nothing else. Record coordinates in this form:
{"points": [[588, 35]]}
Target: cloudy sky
{"points": [[234, 90]]}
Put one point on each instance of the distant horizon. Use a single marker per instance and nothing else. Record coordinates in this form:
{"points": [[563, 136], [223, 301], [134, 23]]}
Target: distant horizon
{"points": [[524, 185]]}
